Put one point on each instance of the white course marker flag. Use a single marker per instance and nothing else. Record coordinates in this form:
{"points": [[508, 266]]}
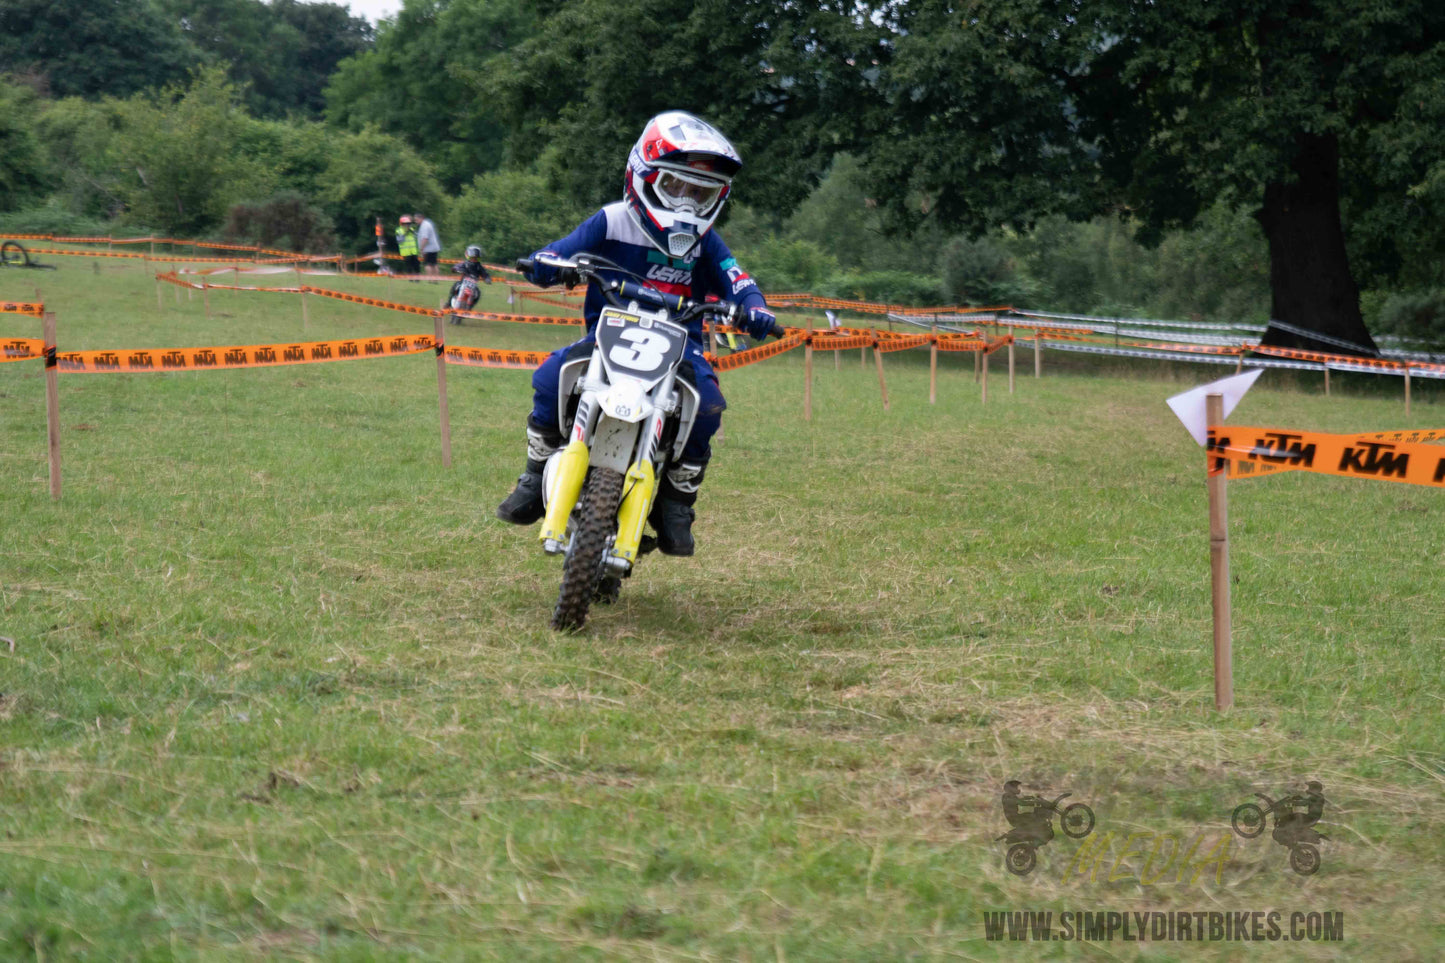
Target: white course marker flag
{"points": [[1189, 405]]}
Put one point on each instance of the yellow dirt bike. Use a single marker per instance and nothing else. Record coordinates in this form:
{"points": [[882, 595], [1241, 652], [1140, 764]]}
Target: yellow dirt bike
{"points": [[626, 415]]}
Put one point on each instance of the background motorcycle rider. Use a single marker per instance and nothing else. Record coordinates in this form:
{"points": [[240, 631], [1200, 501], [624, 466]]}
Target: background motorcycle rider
{"points": [[675, 183], [472, 268], [1036, 825], [1294, 826]]}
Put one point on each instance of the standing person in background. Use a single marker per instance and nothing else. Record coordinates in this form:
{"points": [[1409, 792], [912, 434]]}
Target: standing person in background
{"points": [[406, 245], [431, 245]]}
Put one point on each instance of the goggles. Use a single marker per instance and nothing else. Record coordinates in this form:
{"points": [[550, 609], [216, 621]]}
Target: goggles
{"points": [[688, 192]]}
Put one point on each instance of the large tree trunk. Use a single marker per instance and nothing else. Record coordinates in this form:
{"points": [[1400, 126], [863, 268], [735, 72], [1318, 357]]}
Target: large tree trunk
{"points": [[1309, 272]]}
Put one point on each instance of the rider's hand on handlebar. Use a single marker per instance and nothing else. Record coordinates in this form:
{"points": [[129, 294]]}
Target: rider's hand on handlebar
{"points": [[760, 323]]}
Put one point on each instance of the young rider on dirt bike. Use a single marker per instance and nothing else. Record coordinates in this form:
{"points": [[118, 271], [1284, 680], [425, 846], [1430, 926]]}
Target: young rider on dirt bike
{"points": [[675, 183], [472, 268]]}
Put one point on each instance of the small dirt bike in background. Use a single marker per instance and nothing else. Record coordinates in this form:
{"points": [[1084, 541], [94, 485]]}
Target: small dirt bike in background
{"points": [[1289, 831], [464, 295], [627, 415], [1076, 820]]}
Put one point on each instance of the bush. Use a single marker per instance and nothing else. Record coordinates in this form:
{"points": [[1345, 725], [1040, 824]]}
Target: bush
{"points": [[1417, 317], [889, 287], [510, 214], [52, 219], [780, 265], [285, 221]]}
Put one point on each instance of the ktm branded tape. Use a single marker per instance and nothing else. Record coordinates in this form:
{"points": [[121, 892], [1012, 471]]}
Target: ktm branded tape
{"points": [[19, 349], [1401, 456], [241, 356], [494, 358], [754, 355], [32, 308], [518, 318], [166, 258]]}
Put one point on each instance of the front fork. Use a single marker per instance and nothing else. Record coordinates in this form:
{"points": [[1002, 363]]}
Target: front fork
{"points": [[567, 478]]}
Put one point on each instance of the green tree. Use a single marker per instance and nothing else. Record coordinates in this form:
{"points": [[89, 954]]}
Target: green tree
{"points": [[279, 54], [511, 214], [788, 83], [92, 48], [1006, 111], [178, 151], [77, 133], [25, 170], [370, 174], [424, 82]]}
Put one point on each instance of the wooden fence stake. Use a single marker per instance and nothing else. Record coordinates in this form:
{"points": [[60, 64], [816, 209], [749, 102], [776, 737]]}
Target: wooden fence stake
{"points": [[305, 318], [177, 287], [1327, 381], [976, 356], [443, 412], [808, 374], [983, 364], [1038, 356], [52, 402], [882, 385], [1407, 391], [1219, 566], [1010, 360], [933, 368]]}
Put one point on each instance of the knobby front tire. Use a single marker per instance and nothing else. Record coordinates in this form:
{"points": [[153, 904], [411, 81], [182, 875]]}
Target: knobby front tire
{"points": [[601, 494]]}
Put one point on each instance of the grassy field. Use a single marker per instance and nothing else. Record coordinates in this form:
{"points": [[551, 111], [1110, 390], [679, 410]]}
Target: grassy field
{"points": [[281, 687]]}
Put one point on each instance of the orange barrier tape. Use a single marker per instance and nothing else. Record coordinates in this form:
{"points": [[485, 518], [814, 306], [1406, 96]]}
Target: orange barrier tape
{"points": [[362, 299], [1378, 364], [1228, 349], [493, 357], [753, 355], [32, 308], [825, 341], [900, 342], [19, 349], [962, 344], [576, 322], [242, 356], [1399, 456]]}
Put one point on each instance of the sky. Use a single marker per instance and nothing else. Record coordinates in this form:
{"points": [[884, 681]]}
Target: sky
{"points": [[373, 10]]}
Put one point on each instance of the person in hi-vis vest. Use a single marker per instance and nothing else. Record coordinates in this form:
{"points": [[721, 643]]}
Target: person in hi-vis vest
{"points": [[406, 245]]}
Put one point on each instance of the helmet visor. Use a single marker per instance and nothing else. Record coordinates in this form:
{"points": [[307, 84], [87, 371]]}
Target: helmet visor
{"points": [[688, 192]]}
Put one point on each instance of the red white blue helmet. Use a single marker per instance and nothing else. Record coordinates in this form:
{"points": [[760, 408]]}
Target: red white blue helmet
{"points": [[678, 176]]}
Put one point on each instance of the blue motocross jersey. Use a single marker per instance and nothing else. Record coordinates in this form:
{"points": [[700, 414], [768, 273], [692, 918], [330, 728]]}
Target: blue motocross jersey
{"points": [[710, 270]]}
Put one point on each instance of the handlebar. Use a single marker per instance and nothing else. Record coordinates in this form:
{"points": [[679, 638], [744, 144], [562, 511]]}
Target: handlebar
{"points": [[589, 268]]}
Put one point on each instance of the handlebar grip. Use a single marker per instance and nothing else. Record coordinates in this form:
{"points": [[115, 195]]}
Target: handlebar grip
{"points": [[524, 264]]}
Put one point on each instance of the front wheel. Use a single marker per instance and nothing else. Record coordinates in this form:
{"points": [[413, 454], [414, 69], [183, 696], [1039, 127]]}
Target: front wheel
{"points": [[1247, 820], [13, 254], [1077, 821], [1304, 859], [595, 525]]}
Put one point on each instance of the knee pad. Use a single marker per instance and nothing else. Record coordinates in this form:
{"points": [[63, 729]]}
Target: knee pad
{"points": [[542, 440]]}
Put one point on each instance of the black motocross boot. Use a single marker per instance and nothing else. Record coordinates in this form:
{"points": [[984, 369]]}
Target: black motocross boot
{"points": [[524, 506], [673, 514]]}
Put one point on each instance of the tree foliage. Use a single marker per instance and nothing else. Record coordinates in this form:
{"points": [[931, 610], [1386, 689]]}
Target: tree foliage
{"points": [[92, 47], [424, 81]]}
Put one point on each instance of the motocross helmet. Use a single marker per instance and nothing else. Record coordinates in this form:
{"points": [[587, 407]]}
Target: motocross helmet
{"points": [[474, 253], [678, 176]]}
